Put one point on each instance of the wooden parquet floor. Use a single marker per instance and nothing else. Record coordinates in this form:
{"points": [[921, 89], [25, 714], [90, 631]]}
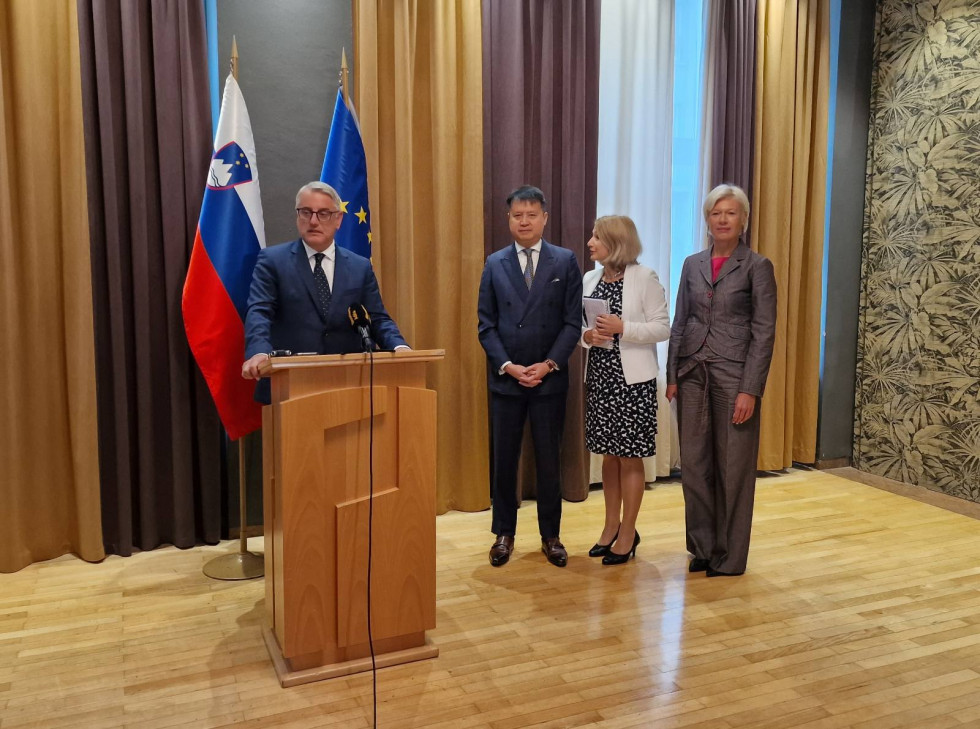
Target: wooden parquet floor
{"points": [[860, 609]]}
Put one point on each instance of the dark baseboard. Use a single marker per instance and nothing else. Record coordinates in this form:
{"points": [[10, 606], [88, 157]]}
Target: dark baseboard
{"points": [[825, 463]]}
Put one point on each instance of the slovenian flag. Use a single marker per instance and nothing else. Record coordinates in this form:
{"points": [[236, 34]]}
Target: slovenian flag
{"points": [[345, 170], [230, 234]]}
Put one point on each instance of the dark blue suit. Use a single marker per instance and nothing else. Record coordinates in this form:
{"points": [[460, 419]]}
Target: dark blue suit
{"points": [[526, 327], [284, 311]]}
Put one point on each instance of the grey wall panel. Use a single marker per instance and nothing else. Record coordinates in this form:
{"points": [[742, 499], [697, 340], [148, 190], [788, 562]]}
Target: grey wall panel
{"points": [[289, 58], [836, 422]]}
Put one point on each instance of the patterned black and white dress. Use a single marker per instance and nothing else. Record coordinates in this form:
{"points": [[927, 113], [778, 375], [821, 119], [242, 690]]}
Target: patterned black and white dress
{"points": [[620, 419]]}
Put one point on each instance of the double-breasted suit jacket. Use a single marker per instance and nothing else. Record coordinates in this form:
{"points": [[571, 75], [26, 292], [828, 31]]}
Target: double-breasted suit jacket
{"points": [[529, 326]]}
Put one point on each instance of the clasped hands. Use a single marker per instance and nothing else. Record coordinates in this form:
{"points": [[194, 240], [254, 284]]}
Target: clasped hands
{"points": [[606, 326], [529, 376]]}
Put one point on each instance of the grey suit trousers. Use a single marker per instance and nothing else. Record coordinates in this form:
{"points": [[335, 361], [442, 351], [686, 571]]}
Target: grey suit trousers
{"points": [[718, 462]]}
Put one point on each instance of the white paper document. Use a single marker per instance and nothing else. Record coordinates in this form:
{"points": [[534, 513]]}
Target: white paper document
{"points": [[592, 308]]}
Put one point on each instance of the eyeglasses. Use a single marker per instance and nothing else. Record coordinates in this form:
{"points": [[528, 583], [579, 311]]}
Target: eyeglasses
{"points": [[324, 216]]}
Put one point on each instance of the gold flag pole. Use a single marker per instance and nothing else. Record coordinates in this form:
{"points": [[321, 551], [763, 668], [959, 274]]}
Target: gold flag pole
{"points": [[344, 74], [243, 565], [233, 63]]}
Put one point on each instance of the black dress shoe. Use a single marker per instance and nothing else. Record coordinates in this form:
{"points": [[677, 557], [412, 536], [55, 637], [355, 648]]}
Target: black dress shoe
{"points": [[554, 550], [601, 550], [697, 565], [616, 558], [500, 551], [716, 573]]}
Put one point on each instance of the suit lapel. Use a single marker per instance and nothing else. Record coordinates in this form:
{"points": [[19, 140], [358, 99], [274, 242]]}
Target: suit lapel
{"points": [[546, 266], [733, 262], [342, 276], [704, 265], [305, 274], [542, 275], [513, 268]]}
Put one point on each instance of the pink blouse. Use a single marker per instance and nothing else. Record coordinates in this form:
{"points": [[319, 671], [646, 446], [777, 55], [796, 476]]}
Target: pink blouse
{"points": [[716, 264]]}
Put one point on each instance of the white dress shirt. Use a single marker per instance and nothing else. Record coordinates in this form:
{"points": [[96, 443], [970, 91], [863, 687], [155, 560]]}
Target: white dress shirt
{"points": [[330, 255], [535, 255]]}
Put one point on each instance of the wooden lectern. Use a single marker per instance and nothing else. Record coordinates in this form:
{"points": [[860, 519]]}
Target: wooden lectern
{"points": [[315, 442]]}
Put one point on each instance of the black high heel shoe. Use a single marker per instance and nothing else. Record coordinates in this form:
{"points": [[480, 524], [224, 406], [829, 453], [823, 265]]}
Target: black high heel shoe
{"points": [[601, 550], [615, 558]]}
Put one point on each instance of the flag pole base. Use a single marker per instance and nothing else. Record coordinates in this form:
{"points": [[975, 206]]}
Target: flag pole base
{"points": [[237, 566]]}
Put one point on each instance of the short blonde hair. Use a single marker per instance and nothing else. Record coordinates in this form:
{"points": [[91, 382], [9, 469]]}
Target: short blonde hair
{"points": [[618, 234], [727, 190]]}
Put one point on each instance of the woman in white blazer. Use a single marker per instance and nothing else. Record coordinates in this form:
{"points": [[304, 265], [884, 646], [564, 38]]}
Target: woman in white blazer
{"points": [[620, 377]]}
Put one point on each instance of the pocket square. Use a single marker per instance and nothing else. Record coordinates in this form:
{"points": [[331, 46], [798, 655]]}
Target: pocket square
{"points": [[555, 280]]}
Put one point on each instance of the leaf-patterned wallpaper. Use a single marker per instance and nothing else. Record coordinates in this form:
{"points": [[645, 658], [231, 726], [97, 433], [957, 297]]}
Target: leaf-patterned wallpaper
{"points": [[917, 417]]}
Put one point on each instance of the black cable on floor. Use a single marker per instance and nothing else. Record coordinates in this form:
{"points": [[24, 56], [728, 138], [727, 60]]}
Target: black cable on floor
{"points": [[374, 667]]}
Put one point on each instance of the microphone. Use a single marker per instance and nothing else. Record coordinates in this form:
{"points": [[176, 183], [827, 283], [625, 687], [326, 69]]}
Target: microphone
{"points": [[360, 320]]}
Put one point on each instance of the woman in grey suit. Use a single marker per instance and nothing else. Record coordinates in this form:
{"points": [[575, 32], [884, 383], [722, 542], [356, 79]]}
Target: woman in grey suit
{"points": [[720, 348], [620, 379]]}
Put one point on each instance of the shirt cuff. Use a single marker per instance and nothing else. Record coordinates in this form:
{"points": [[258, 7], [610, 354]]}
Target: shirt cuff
{"points": [[503, 367]]}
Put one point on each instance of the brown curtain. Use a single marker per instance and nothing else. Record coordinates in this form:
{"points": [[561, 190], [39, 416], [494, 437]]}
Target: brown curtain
{"points": [[148, 132], [541, 127], [731, 57], [792, 79], [49, 497], [418, 94]]}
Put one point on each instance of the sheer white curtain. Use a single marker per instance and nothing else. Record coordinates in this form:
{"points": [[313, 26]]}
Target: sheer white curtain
{"points": [[636, 79], [713, 37]]}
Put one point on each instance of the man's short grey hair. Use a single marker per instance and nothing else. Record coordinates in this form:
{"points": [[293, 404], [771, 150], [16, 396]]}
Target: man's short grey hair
{"points": [[728, 190], [318, 187]]}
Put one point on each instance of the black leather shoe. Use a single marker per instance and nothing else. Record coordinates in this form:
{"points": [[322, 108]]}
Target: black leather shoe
{"points": [[697, 565], [716, 573], [601, 550], [616, 558], [554, 550], [501, 550]]}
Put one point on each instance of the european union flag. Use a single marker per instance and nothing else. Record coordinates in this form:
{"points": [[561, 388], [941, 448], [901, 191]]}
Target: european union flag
{"points": [[345, 169]]}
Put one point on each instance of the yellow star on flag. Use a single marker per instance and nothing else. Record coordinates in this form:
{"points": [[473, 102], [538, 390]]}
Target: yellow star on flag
{"points": [[361, 215], [343, 205], [369, 237]]}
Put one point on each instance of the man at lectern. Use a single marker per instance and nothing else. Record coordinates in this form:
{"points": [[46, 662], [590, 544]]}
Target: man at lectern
{"points": [[530, 321], [301, 292]]}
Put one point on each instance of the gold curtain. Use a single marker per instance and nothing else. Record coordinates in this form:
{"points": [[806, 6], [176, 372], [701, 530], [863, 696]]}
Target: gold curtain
{"points": [[50, 482], [790, 168], [419, 93]]}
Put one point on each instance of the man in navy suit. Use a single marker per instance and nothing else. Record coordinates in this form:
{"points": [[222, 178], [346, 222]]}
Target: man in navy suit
{"points": [[301, 291], [530, 320]]}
